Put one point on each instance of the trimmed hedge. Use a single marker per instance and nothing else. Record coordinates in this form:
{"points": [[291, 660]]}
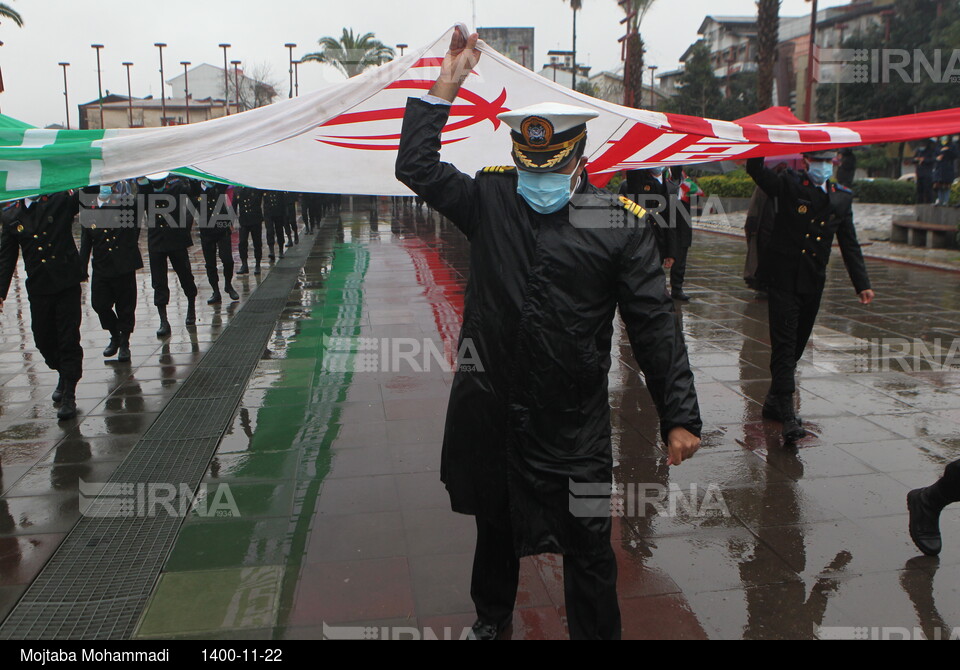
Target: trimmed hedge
{"points": [[886, 191], [880, 191], [727, 186]]}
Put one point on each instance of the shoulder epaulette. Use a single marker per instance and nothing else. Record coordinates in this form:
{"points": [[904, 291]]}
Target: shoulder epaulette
{"points": [[632, 207], [499, 169]]}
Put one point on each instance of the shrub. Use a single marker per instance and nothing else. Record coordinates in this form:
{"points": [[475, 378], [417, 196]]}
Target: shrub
{"points": [[727, 186], [885, 191]]}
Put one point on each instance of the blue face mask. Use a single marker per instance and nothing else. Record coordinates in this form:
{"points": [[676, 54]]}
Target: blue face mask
{"points": [[105, 191], [657, 171], [820, 172], [545, 192]]}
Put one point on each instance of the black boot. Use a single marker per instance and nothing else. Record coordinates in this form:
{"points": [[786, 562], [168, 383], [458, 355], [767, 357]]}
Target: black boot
{"points": [[191, 319], [678, 294], [244, 270], [114, 345], [123, 352], [215, 299], [771, 409], [257, 269], [164, 330], [232, 292], [488, 631], [68, 407], [924, 522], [58, 393], [792, 431]]}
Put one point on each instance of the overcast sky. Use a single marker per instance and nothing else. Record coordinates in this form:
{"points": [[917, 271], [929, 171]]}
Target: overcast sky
{"points": [[63, 30]]}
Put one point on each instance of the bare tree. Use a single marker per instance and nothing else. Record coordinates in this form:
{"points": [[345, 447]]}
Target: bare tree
{"points": [[258, 86]]}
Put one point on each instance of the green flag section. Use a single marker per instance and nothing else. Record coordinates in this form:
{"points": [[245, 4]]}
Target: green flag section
{"points": [[35, 161]]}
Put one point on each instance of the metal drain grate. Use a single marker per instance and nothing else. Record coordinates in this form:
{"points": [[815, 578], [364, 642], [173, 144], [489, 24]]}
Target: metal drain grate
{"points": [[97, 583]]}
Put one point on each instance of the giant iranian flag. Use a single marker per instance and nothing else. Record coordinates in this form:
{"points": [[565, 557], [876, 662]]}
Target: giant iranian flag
{"points": [[343, 138]]}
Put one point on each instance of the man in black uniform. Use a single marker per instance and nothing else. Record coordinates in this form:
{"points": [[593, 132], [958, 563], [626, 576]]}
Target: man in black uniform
{"points": [[216, 237], [682, 209], [290, 219], [646, 188], [248, 203], [42, 229], [111, 235], [810, 210], [168, 239], [925, 506], [274, 214], [551, 260]]}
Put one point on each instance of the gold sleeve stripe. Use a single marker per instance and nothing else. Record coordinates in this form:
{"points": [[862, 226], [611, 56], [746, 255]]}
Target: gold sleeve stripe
{"points": [[633, 207]]}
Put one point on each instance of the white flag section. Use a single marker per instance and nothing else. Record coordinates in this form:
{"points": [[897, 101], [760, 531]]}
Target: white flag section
{"points": [[344, 138]]}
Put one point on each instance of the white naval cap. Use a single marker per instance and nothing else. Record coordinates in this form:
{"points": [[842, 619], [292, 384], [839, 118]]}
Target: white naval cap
{"points": [[545, 135]]}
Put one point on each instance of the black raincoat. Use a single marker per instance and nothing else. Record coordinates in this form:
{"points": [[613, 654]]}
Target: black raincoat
{"points": [[531, 412]]}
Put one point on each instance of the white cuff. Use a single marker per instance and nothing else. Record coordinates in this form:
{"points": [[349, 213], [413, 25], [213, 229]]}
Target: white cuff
{"points": [[435, 100]]}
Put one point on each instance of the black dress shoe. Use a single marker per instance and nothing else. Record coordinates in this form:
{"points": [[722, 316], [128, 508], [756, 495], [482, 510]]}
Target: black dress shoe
{"points": [[215, 299], [680, 295], [233, 293], [164, 330], [924, 524], [191, 319], [113, 347], [58, 393], [68, 410], [488, 631], [123, 353], [771, 410], [257, 270], [244, 270]]}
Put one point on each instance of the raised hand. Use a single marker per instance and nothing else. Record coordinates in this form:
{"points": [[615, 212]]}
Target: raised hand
{"points": [[459, 61]]}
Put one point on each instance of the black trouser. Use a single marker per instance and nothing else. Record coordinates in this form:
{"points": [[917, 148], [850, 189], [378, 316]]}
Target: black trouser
{"points": [[947, 488], [589, 584], [275, 233], [55, 320], [248, 233], [180, 261], [791, 317], [679, 270], [114, 299], [217, 243]]}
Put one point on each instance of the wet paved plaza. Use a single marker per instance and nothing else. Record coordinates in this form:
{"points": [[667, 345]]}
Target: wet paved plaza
{"points": [[332, 458]]}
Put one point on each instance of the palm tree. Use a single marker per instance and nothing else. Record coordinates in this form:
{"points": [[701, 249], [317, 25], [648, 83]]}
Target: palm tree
{"points": [[350, 54], [8, 12], [634, 66], [768, 34]]}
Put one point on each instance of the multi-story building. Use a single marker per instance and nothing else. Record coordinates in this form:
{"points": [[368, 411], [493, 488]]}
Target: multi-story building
{"points": [[733, 48], [514, 43]]}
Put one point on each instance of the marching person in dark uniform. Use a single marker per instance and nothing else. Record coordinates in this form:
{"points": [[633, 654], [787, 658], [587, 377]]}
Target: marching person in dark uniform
{"points": [[168, 239], [290, 224], [109, 232], [248, 203], [216, 237], [925, 506], [757, 229], [551, 261], [683, 209], [924, 158], [810, 210], [274, 215], [647, 189], [42, 230]]}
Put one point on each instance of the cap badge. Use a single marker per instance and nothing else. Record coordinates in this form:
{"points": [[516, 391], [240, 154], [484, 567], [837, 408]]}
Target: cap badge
{"points": [[537, 131]]}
